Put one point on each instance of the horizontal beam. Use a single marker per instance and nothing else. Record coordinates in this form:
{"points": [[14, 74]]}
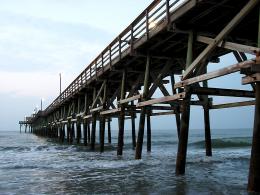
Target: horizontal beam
{"points": [[162, 113], [136, 97], [87, 116], [222, 92], [111, 111], [233, 104], [230, 45], [214, 74], [162, 99], [96, 109], [251, 79]]}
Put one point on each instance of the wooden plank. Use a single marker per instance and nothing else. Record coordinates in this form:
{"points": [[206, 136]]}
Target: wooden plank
{"points": [[233, 104], [215, 74], [162, 113], [230, 45], [136, 97], [96, 109], [87, 116], [222, 92], [251, 78], [98, 95], [111, 111], [162, 100], [228, 28]]}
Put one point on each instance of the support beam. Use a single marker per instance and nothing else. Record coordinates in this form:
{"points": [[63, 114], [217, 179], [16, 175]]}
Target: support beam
{"points": [[215, 74], [121, 122], [254, 169], [149, 132], [177, 115], [161, 100], [230, 45], [109, 130], [233, 104], [133, 126], [183, 139], [222, 92], [139, 144], [228, 28]]}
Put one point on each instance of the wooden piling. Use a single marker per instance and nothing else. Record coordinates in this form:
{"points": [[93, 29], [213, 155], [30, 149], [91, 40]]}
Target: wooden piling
{"points": [[72, 135], [149, 136], [102, 133], [93, 132], [121, 118], [85, 132], [78, 131], [207, 121], [68, 131], [183, 139], [185, 117], [177, 114], [109, 131], [94, 121], [139, 144], [133, 126], [254, 169]]}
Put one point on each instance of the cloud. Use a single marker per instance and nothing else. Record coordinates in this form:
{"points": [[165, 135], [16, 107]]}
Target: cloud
{"points": [[32, 84]]}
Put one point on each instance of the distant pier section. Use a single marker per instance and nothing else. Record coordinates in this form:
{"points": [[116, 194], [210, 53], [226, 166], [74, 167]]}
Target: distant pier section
{"points": [[169, 39]]}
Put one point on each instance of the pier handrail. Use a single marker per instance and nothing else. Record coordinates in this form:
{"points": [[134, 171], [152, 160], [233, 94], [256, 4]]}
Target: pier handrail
{"points": [[155, 13]]}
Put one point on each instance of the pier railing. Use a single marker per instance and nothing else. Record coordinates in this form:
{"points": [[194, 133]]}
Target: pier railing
{"points": [[157, 12]]}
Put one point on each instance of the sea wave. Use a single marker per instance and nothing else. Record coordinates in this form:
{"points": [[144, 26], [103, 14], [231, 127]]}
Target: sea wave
{"points": [[234, 142]]}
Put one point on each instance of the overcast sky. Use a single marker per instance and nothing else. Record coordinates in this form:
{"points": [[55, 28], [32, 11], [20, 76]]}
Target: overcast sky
{"points": [[41, 38]]}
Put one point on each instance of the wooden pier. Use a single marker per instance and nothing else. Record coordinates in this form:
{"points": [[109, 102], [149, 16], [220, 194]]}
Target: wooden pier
{"points": [[169, 38]]}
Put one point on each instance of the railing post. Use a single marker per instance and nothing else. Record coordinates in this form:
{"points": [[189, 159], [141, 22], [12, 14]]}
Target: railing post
{"points": [[147, 23], [168, 11], [132, 39]]}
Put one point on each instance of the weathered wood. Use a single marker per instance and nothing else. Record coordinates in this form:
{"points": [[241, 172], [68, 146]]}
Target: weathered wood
{"points": [[139, 144], [93, 132], [207, 131], [96, 109], [149, 132], [136, 97], [254, 170], [111, 111], [109, 131], [177, 115], [78, 132], [215, 74], [162, 113], [230, 45], [233, 104], [98, 94], [121, 122], [161, 100], [222, 92], [224, 32], [85, 131], [251, 78], [133, 127], [183, 139]]}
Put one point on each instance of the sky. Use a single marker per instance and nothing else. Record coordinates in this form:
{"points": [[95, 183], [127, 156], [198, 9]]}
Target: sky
{"points": [[41, 38]]}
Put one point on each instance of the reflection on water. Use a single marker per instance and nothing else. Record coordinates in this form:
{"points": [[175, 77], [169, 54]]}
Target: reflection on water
{"points": [[34, 165]]}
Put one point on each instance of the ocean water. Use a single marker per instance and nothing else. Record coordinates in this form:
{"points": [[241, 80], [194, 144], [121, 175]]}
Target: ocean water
{"points": [[37, 165]]}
